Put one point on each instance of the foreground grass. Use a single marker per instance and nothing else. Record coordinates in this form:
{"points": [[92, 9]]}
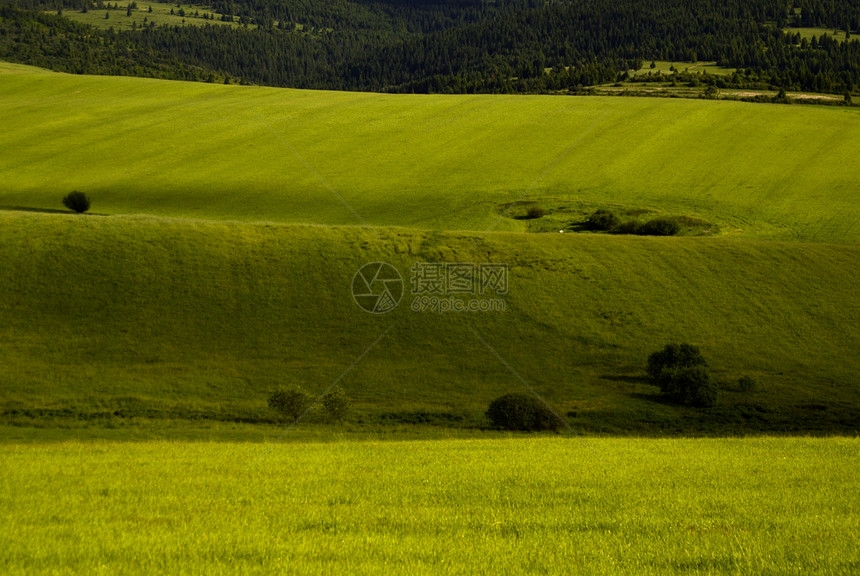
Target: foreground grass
{"points": [[513, 506], [442, 162], [109, 318]]}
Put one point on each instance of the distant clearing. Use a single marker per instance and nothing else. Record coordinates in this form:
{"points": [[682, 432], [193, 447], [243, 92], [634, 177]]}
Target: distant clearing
{"points": [[809, 33], [118, 18], [667, 67]]}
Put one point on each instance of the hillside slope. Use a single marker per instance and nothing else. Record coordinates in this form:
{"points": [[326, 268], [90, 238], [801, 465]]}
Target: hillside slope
{"points": [[440, 162], [144, 316]]}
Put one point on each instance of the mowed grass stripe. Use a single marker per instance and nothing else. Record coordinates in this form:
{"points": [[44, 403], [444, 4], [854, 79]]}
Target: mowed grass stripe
{"points": [[196, 150]]}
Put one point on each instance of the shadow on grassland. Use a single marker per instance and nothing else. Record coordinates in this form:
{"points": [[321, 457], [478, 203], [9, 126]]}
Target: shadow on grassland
{"points": [[43, 210]]}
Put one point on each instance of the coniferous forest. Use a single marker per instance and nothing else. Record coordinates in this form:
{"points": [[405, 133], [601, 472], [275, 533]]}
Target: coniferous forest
{"points": [[452, 46]]}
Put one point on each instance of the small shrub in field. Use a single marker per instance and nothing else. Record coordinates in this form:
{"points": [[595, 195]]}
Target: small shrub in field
{"points": [[671, 357], [336, 404], [602, 220], [521, 412], [535, 212], [683, 375], [748, 384], [659, 227], [693, 385], [76, 201], [291, 402]]}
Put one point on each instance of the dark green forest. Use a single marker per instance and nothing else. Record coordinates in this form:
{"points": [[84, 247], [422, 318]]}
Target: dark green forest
{"points": [[453, 46]]}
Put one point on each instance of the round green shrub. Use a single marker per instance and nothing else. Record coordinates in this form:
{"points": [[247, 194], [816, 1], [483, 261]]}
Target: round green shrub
{"points": [[694, 386], [76, 201], [291, 402], [336, 404], [602, 220], [671, 357], [521, 412], [683, 375]]}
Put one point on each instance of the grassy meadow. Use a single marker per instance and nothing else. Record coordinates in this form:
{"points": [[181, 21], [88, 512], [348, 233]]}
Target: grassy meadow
{"points": [[237, 280], [133, 316], [229, 222], [508, 505], [668, 67], [119, 19], [139, 342], [431, 162], [810, 33]]}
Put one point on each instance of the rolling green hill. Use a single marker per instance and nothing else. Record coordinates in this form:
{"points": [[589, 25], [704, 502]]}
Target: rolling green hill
{"points": [[145, 316], [430, 162], [219, 259]]}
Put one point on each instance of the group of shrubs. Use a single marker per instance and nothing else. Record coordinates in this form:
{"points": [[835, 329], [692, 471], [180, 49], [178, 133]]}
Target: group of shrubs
{"points": [[679, 370], [294, 402], [519, 412], [683, 375], [607, 221], [604, 220]]}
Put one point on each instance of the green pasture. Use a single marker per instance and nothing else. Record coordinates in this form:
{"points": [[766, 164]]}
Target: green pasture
{"points": [[809, 33], [669, 67], [109, 318], [141, 16], [261, 204], [139, 342], [512, 506], [431, 162]]}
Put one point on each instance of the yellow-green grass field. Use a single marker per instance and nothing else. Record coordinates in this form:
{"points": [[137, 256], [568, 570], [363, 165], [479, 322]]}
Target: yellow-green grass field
{"points": [[432, 162], [502, 506]]}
